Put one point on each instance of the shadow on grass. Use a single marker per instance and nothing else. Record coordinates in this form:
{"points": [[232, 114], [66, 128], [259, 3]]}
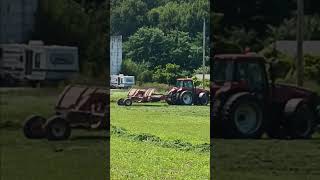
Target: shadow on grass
{"points": [[93, 137]]}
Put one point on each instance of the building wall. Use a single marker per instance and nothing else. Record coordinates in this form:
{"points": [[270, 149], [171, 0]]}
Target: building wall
{"points": [[290, 47], [17, 19], [115, 54]]}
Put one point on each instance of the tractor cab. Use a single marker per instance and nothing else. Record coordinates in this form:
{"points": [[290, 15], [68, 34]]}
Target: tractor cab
{"points": [[186, 83], [247, 72]]}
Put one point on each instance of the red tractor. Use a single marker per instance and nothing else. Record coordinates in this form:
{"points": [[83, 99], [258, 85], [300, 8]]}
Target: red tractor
{"points": [[186, 93], [246, 102]]}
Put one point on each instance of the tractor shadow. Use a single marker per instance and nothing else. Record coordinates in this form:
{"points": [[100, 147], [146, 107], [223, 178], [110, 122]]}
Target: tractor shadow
{"points": [[149, 105], [93, 137]]}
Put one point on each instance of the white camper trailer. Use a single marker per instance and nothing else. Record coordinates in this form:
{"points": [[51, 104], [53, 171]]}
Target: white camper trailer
{"points": [[35, 62], [122, 81]]}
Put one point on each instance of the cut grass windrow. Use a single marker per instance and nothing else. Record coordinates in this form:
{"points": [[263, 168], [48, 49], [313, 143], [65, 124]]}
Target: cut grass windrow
{"points": [[149, 138]]}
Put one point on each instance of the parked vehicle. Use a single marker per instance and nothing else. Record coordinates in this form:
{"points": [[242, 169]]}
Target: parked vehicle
{"points": [[35, 62], [246, 102], [122, 81]]}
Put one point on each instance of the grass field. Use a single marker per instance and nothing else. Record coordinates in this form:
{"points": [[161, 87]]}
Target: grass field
{"points": [[82, 157], [158, 141], [148, 141]]}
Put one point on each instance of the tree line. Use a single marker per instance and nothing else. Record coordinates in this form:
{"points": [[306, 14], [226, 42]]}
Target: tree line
{"points": [[162, 38]]}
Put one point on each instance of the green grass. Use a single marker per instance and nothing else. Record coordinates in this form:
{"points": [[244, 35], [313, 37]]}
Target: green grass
{"points": [[267, 159], [158, 141], [138, 160], [83, 157], [188, 123], [149, 141]]}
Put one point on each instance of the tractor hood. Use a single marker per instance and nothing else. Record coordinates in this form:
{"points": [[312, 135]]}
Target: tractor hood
{"points": [[284, 92], [281, 92]]}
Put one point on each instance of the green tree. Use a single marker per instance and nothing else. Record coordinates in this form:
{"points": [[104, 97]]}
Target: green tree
{"points": [[167, 75]]}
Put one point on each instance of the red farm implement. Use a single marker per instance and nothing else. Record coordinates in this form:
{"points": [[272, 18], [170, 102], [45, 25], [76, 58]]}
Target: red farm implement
{"points": [[139, 96], [77, 107]]}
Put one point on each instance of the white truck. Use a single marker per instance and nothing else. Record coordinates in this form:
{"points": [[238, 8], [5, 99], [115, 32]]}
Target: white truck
{"points": [[121, 81], [35, 62]]}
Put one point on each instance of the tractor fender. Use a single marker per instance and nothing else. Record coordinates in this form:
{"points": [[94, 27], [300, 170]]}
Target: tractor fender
{"points": [[218, 102], [202, 94], [291, 106]]}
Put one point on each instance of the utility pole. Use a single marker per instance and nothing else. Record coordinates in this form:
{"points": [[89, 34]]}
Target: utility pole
{"points": [[299, 62], [203, 53]]}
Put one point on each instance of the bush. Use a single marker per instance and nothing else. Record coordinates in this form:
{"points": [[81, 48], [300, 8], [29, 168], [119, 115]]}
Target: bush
{"points": [[167, 75], [312, 68], [158, 86], [145, 76]]}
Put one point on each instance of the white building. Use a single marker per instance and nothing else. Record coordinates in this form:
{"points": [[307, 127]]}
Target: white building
{"points": [[290, 47], [17, 19], [115, 54]]}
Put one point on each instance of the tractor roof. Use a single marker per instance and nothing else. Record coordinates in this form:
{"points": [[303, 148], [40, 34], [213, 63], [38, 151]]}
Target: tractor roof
{"points": [[240, 57]]}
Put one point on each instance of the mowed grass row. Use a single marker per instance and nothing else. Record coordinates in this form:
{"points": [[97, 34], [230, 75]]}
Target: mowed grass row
{"points": [[187, 123], [139, 160]]}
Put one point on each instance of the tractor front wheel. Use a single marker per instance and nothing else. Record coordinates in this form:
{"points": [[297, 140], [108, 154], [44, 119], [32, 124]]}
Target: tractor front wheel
{"points": [[57, 128]]}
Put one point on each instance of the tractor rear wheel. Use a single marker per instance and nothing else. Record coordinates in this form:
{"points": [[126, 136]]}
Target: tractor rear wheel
{"points": [[128, 102], [243, 117], [33, 127], [57, 128], [203, 99], [186, 98], [301, 122]]}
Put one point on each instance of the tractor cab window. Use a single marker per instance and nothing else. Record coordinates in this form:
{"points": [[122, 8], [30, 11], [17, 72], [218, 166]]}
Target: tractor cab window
{"points": [[222, 71], [253, 74], [188, 84], [179, 84]]}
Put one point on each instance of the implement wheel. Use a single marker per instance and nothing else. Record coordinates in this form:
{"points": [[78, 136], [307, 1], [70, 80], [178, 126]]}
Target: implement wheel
{"points": [[33, 127], [120, 102], [57, 128], [127, 102]]}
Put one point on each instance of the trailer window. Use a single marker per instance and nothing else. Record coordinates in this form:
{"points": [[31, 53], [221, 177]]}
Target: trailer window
{"points": [[37, 60], [1, 53], [129, 79]]}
